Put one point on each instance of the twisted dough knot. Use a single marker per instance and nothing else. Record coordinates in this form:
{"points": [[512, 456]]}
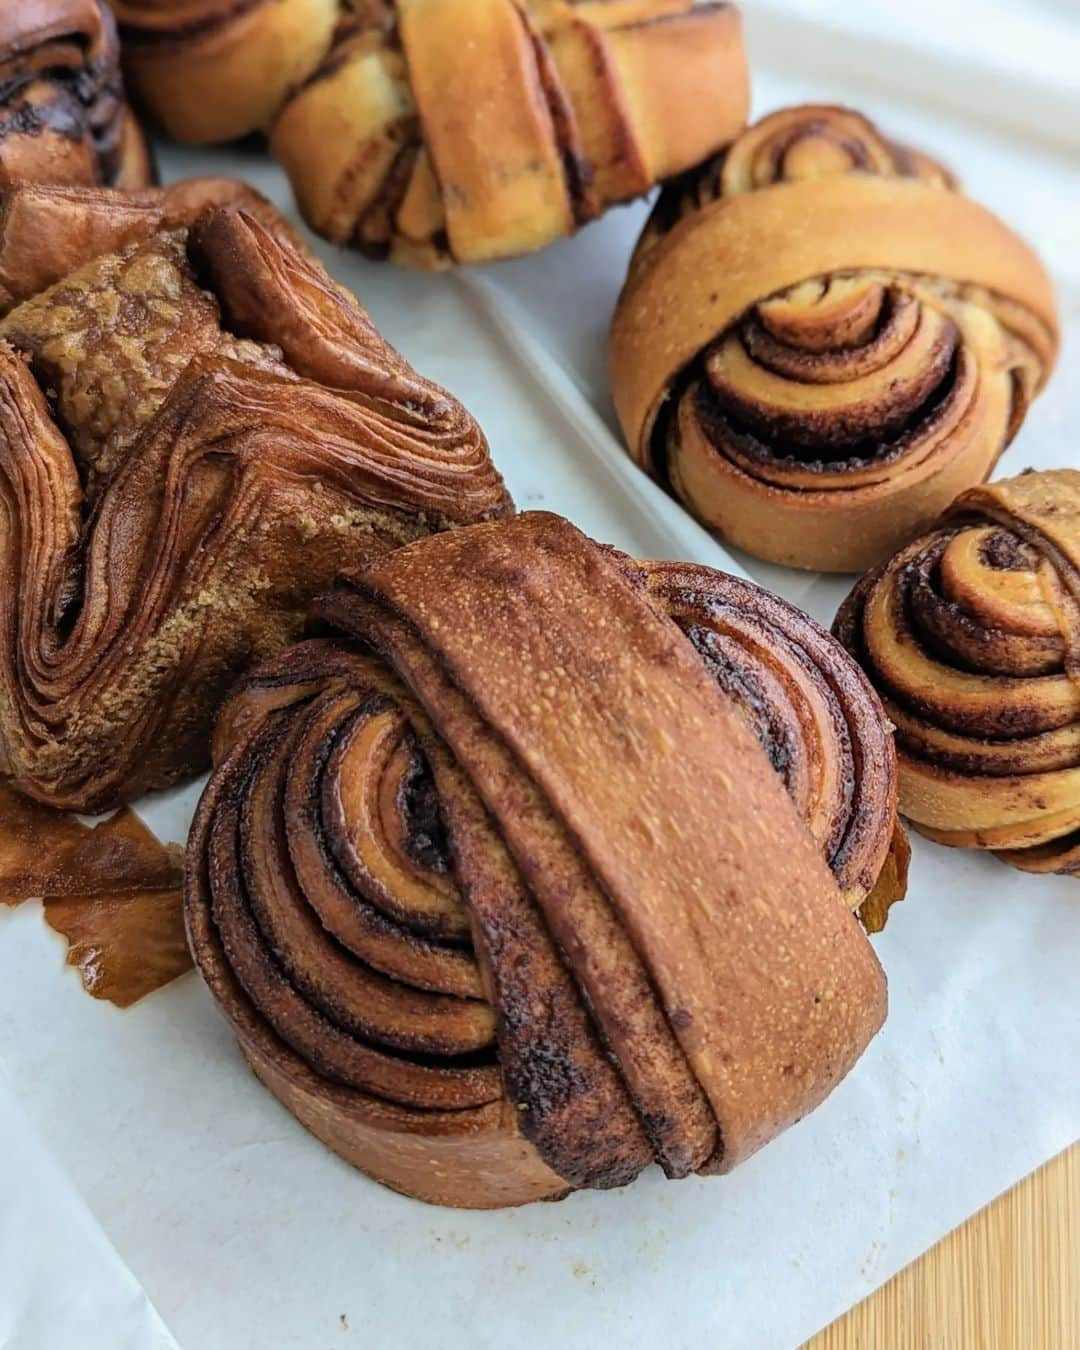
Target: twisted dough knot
{"points": [[223, 432], [438, 131], [484, 130], [820, 342], [519, 904], [972, 636], [63, 117]]}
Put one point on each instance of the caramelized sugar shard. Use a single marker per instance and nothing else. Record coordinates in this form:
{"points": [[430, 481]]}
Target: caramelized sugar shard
{"points": [[891, 885], [124, 945], [112, 890], [46, 854]]}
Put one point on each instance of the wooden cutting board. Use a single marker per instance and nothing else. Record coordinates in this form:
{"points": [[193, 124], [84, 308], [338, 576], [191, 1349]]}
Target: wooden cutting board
{"points": [[1009, 1279]]}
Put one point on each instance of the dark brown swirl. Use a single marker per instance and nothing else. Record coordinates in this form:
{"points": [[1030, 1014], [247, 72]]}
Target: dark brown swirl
{"points": [[63, 117], [813, 713]]}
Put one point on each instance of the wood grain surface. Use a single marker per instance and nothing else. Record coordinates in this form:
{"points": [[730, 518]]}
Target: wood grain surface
{"points": [[1009, 1279]]}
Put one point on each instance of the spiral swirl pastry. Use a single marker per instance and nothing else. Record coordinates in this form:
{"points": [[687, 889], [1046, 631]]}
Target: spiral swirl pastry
{"points": [[442, 131], [972, 636], [821, 341], [63, 117], [543, 870], [198, 429]]}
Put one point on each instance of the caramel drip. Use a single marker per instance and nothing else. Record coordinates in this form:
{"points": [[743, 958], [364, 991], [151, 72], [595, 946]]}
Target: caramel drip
{"points": [[112, 891], [820, 393], [198, 430], [972, 636], [416, 884], [62, 112]]}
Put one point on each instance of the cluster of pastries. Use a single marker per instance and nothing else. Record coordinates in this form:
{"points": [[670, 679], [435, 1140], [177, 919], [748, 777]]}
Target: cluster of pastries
{"points": [[523, 864], [440, 131]]}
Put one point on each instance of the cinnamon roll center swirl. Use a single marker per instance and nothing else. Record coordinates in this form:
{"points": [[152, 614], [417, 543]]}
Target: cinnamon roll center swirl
{"points": [[837, 380]]}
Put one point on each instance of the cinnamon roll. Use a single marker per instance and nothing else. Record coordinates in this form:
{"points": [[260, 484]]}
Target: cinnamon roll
{"points": [[542, 868], [972, 637], [198, 430], [63, 117], [821, 341], [441, 131]]}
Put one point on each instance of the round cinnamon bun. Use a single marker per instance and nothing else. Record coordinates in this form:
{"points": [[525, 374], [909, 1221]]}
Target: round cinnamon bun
{"points": [[544, 867], [971, 635], [821, 340]]}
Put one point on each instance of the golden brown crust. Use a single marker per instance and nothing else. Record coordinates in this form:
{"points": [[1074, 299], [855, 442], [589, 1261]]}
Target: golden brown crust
{"points": [[214, 70], [47, 231], [467, 130], [562, 747], [63, 118], [226, 431], [972, 636], [821, 342]]}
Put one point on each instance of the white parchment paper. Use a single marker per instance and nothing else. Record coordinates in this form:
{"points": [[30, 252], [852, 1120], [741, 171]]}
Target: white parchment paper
{"points": [[245, 1232], [61, 1283]]}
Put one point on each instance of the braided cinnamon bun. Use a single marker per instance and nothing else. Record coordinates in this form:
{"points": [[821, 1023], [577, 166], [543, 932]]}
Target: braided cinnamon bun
{"points": [[440, 131], [821, 341], [63, 118], [972, 637], [544, 868], [198, 430]]}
